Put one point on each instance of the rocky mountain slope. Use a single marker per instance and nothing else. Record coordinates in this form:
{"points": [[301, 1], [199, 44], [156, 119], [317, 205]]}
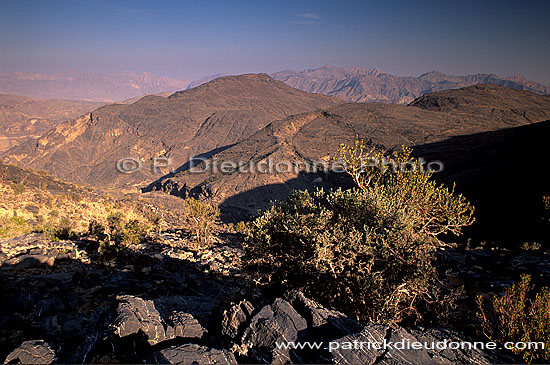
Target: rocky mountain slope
{"points": [[311, 137], [204, 80], [433, 123], [23, 118], [74, 85], [372, 85], [207, 118]]}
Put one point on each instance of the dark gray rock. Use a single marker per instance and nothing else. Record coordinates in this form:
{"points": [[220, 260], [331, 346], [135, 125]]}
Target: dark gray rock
{"points": [[183, 325], [193, 354], [235, 317], [201, 307], [276, 323], [32, 352], [373, 334], [135, 314], [322, 322]]}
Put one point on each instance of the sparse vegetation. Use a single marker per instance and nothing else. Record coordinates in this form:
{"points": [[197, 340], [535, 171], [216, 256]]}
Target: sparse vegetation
{"points": [[531, 246], [202, 217], [56, 228], [519, 316], [18, 188], [13, 226], [67, 212], [241, 227], [370, 246]]}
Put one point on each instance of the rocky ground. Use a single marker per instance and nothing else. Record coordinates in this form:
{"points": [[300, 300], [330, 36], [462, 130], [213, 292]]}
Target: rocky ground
{"points": [[166, 302]]}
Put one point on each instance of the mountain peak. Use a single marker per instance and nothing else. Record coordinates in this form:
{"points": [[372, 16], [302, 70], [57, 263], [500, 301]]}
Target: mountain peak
{"points": [[233, 82]]}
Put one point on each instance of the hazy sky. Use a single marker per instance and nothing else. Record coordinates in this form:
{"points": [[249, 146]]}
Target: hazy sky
{"points": [[191, 39]]}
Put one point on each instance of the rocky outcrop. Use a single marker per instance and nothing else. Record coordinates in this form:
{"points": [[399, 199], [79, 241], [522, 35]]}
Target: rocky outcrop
{"points": [[384, 345], [32, 352], [279, 324], [193, 354], [234, 317], [274, 324], [135, 314]]}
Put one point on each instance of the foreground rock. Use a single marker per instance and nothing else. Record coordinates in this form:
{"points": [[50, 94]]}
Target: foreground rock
{"points": [[136, 314], [32, 352], [276, 323], [299, 330], [193, 354], [380, 344], [234, 318]]}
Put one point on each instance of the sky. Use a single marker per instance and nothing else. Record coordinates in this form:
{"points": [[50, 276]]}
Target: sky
{"points": [[191, 39]]}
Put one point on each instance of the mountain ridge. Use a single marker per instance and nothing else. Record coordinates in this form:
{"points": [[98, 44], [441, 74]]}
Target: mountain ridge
{"points": [[373, 85], [23, 118]]}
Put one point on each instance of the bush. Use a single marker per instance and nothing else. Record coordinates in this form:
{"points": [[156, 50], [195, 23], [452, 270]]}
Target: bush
{"points": [[241, 227], [18, 188], [119, 230], [117, 234], [13, 226], [514, 317], [202, 218], [371, 247], [56, 229]]}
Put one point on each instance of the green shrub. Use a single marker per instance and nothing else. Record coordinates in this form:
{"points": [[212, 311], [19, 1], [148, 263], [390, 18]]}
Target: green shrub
{"points": [[201, 217], [514, 317], [368, 250], [134, 232], [18, 188], [13, 226], [241, 227], [120, 230], [117, 234], [56, 229]]}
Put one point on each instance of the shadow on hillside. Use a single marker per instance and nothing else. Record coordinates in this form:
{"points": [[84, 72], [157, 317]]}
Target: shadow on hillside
{"points": [[245, 205], [194, 161], [503, 174]]}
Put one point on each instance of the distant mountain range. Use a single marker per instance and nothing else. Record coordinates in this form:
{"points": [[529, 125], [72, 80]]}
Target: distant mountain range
{"points": [[75, 85], [373, 85], [356, 84]]}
